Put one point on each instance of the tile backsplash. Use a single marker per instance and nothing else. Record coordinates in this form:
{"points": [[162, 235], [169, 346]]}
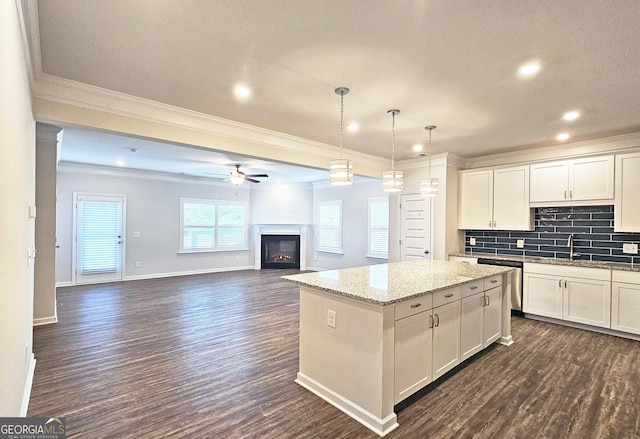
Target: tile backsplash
{"points": [[592, 228]]}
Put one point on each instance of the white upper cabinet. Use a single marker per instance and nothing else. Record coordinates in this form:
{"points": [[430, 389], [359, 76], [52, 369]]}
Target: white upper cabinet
{"points": [[572, 181], [627, 203], [494, 199]]}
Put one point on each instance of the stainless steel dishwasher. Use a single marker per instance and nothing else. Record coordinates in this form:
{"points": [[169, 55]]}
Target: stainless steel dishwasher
{"points": [[516, 281]]}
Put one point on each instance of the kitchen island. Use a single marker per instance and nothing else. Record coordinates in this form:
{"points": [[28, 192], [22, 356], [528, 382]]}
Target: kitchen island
{"points": [[372, 336]]}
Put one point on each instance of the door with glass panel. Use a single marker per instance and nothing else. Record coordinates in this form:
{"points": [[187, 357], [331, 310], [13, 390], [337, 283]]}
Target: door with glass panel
{"points": [[99, 238]]}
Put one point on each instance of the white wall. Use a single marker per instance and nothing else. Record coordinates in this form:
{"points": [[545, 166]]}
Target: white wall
{"points": [[153, 209], [17, 192], [354, 219]]}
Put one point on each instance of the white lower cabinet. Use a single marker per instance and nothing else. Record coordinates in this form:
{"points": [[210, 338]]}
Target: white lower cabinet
{"points": [[446, 338], [625, 302], [413, 354], [480, 321], [576, 294]]}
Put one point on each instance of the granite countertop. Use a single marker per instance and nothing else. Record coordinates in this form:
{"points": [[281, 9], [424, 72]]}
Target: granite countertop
{"points": [[386, 284], [552, 261]]}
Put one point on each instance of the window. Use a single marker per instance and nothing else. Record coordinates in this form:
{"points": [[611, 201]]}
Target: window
{"points": [[378, 230], [212, 225], [330, 226]]}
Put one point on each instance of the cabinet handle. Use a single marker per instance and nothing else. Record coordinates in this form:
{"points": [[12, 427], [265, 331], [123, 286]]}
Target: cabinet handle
{"points": [[559, 283], [489, 223], [430, 322], [473, 288], [570, 194], [565, 195], [437, 317], [488, 300], [494, 225], [565, 283], [416, 305], [493, 281], [448, 295]]}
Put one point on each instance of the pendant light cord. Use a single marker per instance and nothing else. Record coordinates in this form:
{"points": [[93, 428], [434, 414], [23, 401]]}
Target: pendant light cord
{"points": [[341, 119], [393, 144]]}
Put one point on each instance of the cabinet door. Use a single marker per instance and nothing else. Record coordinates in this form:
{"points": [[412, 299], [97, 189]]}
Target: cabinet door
{"points": [[475, 200], [627, 200], [471, 325], [625, 307], [542, 295], [492, 316], [413, 353], [446, 338], [587, 301], [511, 210], [549, 182], [591, 179]]}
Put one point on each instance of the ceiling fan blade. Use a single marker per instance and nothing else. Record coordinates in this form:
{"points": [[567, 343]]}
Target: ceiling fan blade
{"points": [[251, 180], [257, 175]]}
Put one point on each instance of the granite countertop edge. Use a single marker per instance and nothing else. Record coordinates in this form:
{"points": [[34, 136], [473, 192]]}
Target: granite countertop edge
{"points": [[552, 261]]}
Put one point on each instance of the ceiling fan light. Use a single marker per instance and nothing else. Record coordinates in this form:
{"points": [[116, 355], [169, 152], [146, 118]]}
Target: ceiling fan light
{"points": [[429, 187], [340, 172], [392, 181], [237, 179]]}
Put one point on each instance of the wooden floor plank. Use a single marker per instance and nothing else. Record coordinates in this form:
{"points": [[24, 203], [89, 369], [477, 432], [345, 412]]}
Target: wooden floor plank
{"points": [[215, 355]]}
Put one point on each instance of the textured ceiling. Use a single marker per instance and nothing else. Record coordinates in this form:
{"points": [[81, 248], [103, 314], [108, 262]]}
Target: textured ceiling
{"points": [[447, 63]]}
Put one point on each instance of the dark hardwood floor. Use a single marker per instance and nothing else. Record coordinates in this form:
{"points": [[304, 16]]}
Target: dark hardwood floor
{"points": [[215, 356]]}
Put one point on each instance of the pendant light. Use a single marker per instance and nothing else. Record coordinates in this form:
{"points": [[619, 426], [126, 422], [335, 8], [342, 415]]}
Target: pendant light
{"points": [[392, 180], [430, 186], [341, 170]]}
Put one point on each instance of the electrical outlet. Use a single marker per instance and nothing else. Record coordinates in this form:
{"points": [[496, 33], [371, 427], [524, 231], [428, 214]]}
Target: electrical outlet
{"points": [[331, 318], [138, 264], [520, 243], [136, 234], [472, 241], [630, 249]]}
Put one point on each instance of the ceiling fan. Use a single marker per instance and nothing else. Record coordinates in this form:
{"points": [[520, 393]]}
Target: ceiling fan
{"points": [[236, 176]]}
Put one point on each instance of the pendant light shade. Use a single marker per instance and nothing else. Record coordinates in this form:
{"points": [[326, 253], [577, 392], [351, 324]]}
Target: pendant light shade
{"points": [[341, 170], [392, 179], [430, 186]]}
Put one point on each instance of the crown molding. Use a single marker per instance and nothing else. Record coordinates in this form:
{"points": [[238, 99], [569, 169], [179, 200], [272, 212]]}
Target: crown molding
{"points": [[585, 148]]}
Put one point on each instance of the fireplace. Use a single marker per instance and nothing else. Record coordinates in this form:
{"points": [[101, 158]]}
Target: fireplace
{"points": [[280, 251], [280, 230]]}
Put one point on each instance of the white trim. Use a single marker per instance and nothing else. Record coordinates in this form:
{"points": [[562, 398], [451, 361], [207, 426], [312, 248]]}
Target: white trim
{"points": [[279, 229], [26, 393], [187, 273], [67, 283], [380, 426], [45, 320], [582, 326]]}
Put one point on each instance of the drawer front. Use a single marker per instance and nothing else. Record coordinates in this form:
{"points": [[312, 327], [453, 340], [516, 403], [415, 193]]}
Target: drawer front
{"points": [[446, 296], [492, 282], [413, 306], [472, 288]]}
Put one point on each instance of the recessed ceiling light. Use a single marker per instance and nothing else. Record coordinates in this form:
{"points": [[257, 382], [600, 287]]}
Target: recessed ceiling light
{"points": [[562, 136], [571, 115], [529, 69], [241, 91], [353, 127], [417, 147], [120, 163]]}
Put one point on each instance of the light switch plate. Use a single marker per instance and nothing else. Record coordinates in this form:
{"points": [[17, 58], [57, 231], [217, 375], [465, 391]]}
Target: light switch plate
{"points": [[520, 243], [472, 241], [630, 249], [331, 318]]}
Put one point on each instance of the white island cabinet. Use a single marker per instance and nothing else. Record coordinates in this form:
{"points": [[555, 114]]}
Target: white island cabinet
{"points": [[372, 336]]}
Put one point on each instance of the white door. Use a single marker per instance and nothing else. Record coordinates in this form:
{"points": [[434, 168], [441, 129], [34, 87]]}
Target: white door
{"points": [[99, 238], [415, 227]]}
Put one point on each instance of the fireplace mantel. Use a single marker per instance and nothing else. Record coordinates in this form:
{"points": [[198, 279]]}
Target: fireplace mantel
{"points": [[280, 229]]}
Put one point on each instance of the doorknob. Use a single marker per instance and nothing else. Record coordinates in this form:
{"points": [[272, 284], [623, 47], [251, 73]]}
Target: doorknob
{"points": [[426, 252]]}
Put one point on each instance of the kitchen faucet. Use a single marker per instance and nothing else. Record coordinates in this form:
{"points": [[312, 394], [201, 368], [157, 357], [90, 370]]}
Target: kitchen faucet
{"points": [[570, 245]]}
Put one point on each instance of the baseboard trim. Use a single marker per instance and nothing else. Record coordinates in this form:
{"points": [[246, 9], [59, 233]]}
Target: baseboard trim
{"points": [[583, 326], [187, 273], [45, 320], [378, 425], [64, 284], [26, 394]]}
